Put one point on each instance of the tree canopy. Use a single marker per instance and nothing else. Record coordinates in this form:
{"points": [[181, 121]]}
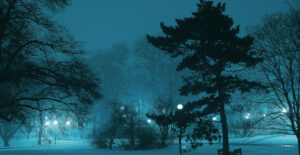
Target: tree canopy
{"points": [[210, 47], [41, 68]]}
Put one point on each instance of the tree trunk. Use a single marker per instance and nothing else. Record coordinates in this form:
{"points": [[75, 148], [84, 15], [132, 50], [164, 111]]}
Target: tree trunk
{"points": [[298, 139], [40, 129], [172, 134], [132, 141], [224, 130], [164, 135], [6, 142], [180, 137], [111, 141], [28, 134]]}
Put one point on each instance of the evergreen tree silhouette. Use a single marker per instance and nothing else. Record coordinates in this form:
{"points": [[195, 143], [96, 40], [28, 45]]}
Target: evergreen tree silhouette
{"points": [[209, 44]]}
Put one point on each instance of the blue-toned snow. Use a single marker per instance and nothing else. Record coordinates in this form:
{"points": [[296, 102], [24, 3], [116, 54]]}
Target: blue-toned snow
{"points": [[259, 145]]}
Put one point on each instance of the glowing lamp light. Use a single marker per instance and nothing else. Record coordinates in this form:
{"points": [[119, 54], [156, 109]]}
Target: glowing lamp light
{"points": [[47, 123], [283, 110], [68, 123], [214, 118], [149, 121], [55, 122], [248, 116], [179, 106], [122, 107], [264, 115], [46, 117]]}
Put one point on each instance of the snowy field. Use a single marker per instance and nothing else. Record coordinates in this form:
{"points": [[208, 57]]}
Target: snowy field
{"points": [[260, 145]]}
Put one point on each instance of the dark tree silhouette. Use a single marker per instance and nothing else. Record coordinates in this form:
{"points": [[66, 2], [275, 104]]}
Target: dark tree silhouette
{"points": [[209, 45], [162, 107], [202, 128], [277, 41], [40, 62], [8, 130]]}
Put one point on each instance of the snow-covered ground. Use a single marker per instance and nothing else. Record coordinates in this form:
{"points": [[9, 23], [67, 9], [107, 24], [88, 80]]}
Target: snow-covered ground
{"points": [[259, 145]]}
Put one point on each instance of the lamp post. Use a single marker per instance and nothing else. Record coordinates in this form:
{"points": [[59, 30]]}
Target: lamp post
{"points": [[68, 123], [181, 125], [248, 115], [55, 123], [284, 111]]}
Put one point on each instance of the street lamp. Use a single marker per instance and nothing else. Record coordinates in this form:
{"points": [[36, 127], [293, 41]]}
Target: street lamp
{"points": [[47, 123], [55, 123], [248, 116], [264, 115], [149, 121], [214, 118], [283, 110], [179, 106], [68, 123]]}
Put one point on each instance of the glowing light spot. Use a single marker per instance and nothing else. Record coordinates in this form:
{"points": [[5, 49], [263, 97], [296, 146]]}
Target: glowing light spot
{"points": [[179, 106], [149, 121], [122, 107], [283, 110], [214, 118], [55, 122], [247, 116], [47, 123], [68, 123]]}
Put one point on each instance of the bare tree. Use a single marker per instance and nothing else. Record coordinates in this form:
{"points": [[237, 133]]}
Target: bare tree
{"points": [[131, 125], [162, 108], [39, 62], [8, 130], [278, 41], [113, 126]]}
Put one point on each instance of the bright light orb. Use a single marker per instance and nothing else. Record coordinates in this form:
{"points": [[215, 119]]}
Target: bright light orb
{"points": [[47, 123], [283, 110], [55, 122], [149, 121], [122, 107], [214, 118], [248, 116], [179, 106], [264, 115], [68, 123]]}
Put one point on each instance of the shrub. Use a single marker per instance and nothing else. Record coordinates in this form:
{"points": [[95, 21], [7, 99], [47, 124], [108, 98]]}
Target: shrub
{"points": [[101, 140], [147, 138]]}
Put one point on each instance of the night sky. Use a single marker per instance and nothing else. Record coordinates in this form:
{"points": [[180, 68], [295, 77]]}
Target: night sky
{"points": [[102, 23]]}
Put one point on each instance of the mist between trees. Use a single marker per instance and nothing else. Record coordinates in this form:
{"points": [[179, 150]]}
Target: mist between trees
{"points": [[198, 81]]}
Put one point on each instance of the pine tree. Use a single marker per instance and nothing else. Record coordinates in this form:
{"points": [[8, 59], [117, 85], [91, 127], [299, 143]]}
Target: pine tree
{"points": [[209, 45]]}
